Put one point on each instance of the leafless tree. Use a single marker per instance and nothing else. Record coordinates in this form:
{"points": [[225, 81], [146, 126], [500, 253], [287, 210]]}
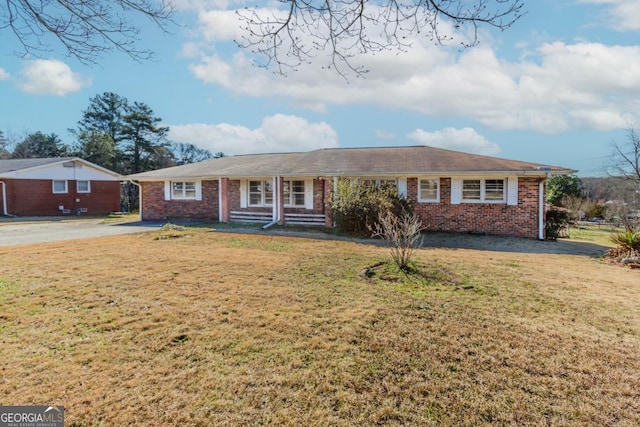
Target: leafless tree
{"points": [[402, 234], [302, 29], [626, 156], [87, 29], [626, 166]]}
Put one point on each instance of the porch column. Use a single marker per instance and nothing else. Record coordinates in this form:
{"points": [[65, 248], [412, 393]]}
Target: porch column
{"points": [[280, 198], [223, 199], [329, 187]]}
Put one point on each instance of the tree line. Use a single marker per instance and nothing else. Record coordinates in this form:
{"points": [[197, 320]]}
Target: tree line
{"points": [[125, 137]]}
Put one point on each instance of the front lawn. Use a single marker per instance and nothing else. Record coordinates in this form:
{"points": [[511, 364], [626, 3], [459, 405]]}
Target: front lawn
{"points": [[208, 328]]}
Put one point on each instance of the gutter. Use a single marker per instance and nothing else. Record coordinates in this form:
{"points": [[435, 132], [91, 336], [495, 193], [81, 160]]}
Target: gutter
{"points": [[4, 199], [541, 203]]}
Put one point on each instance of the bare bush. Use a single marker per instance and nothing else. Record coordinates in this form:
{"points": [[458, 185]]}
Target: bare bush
{"points": [[402, 232]]}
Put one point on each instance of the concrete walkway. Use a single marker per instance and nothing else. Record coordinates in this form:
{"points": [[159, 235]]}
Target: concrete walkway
{"points": [[37, 230]]}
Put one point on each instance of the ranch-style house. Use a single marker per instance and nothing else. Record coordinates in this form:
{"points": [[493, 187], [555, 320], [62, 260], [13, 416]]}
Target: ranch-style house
{"points": [[57, 186], [451, 191]]}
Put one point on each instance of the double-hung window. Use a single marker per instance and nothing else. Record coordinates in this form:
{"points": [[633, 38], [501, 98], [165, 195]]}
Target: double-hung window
{"points": [[429, 190], [483, 190], [183, 190], [293, 193], [260, 193], [83, 186], [60, 186]]}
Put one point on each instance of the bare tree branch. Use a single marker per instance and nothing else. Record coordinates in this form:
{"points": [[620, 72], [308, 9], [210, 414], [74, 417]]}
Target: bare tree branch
{"points": [[86, 29], [296, 34], [626, 156]]}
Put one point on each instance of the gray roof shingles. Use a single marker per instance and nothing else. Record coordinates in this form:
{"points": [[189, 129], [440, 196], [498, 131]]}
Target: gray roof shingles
{"points": [[11, 165], [414, 160]]}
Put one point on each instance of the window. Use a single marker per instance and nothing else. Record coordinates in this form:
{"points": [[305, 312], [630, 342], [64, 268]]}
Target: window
{"points": [[183, 190], [483, 190], [380, 182], [260, 193], [429, 190], [494, 189], [471, 189], [293, 193], [60, 187], [83, 186]]}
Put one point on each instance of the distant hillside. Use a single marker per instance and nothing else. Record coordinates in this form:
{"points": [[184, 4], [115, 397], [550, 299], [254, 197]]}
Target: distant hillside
{"points": [[602, 189]]}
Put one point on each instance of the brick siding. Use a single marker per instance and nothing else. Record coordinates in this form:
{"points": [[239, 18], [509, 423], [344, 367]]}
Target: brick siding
{"points": [[34, 197], [489, 218], [155, 207]]}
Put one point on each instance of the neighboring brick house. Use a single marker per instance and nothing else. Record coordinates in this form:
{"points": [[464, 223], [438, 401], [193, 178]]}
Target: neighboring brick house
{"points": [[57, 186], [451, 191]]}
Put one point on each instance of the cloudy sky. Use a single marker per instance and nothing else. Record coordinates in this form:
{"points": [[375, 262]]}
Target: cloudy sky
{"points": [[557, 88]]}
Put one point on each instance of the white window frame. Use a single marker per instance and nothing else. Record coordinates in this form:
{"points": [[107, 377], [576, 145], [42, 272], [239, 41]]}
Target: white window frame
{"points": [[288, 197], [66, 186], [423, 200], [88, 190], [483, 190], [183, 195], [263, 192]]}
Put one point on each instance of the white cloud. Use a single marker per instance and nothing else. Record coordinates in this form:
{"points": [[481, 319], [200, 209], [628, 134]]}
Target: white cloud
{"points": [[277, 133], [552, 88], [51, 77], [465, 139], [4, 75], [625, 14], [560, 87]]}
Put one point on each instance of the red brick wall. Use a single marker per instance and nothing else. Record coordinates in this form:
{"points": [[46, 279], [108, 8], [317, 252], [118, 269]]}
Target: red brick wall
{"points": [[500, 219], [34, 197], [155, 207]]}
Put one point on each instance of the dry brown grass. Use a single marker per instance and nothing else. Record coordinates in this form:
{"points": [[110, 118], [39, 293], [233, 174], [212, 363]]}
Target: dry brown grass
{"points": [[206, 329]]}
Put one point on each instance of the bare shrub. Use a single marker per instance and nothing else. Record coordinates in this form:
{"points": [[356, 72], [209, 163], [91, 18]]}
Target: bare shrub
{"points": [[402, 232]]}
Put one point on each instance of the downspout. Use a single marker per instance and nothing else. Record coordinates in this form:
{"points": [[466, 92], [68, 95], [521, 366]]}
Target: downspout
{"points": [[4, 199], [541, 235], [139, 197], [276, 204]]}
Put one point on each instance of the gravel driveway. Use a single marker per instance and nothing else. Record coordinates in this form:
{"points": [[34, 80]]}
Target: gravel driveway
{"points": [[39, 230]]}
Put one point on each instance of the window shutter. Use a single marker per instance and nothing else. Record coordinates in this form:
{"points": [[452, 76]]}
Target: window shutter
{"points": [[198, 190], [402, 187], [308, 194], [243, 193], [456, 191], [167, 190], [512, 191]]}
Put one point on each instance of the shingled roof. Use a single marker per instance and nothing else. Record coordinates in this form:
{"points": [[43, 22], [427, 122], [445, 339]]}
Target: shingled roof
{"points": [[383, 161], [9, 167]]}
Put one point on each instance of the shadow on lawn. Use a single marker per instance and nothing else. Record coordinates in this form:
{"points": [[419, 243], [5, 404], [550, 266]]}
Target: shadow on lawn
{"points": [[430, 239], [512, 244]]}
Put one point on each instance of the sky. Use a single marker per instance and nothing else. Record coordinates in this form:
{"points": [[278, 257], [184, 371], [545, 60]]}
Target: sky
{"points": [[558, 88]]}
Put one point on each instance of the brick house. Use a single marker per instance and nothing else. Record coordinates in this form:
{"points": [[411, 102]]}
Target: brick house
{"points": [[57, 186], [452, 191]]}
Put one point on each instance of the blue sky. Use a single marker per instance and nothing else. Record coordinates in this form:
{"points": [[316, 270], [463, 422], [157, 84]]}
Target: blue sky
{"points": [[557, 88]]}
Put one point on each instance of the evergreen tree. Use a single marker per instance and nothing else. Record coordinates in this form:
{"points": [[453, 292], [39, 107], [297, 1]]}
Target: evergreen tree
{"points": [[39, 145]]}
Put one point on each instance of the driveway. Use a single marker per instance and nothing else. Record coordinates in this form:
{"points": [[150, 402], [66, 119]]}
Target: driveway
{"points": [[38, 230]]}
